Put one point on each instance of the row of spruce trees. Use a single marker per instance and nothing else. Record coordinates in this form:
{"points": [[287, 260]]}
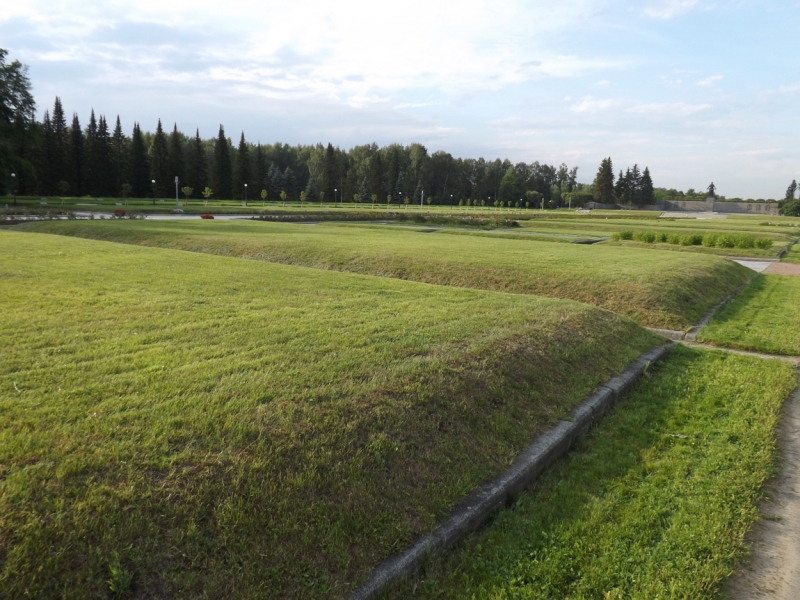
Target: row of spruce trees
{"points": [[64, 157], [632, 187]]}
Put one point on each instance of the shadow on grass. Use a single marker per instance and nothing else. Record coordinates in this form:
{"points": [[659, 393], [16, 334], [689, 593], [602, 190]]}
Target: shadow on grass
{"points": [[653, 502]]}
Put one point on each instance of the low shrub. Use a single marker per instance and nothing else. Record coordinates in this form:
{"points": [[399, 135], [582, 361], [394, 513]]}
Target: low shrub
{"points": [[625, 235], [674, 238], [661, 237], [764, 243], [710, 240], [644, 236]]}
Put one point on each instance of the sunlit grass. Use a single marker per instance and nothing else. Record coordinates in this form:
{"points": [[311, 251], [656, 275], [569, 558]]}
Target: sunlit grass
{"points": [[764, 316], [189, 425], [661, 289]]}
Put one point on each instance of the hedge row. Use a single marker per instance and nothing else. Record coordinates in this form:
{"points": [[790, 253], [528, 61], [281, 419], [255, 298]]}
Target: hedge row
{"points": [[709, 240]]}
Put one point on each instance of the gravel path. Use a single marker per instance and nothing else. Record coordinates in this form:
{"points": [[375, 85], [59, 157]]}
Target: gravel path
{"points": [[782, 268], [773, 571]]}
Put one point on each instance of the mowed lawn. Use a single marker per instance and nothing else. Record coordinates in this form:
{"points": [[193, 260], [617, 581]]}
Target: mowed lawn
{"points": [[176, 424], [653, 503], [764, 316], [660, 289]]}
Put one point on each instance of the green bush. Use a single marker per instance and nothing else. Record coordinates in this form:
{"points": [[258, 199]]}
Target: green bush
{"points": [[661, 237], [674, 238], [695, 239], [625, 235], [725, 241], [710, 240], [763, 243], [743, 241], [644, 236]]}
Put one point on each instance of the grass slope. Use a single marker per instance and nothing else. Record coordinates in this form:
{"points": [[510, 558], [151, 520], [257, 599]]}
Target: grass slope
{"points": [[764, 316], [186, 425], [793, 255], [661, 289], [653, 503]]}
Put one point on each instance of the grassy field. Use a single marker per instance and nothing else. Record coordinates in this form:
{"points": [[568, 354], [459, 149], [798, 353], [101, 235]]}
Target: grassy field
{"points": [[764, 316], [176, 424], [661, 289], [653, 503]]}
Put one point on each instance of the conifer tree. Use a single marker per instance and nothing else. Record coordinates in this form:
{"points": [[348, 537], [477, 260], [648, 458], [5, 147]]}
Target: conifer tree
{"points": [[790, 191], [259, 176], [604, 182], [175, 153], [221, 181], [647, 191], [275, 182], [241, 172], [48, 175], [58, 152], [140, 167], [312, 192], [76, 156], [330, 173], [102, 159], [119, 159], [365, 191], [159, 164], [376, 175], [197, 176], [90, 173]]}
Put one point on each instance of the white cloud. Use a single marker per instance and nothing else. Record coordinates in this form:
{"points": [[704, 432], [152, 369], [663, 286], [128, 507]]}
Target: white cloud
{"points": [[709, 81], [668, 110], [667, 9], [591, 105]]}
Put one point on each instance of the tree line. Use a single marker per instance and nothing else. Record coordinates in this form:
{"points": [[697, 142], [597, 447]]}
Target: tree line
{"points": [[62, 156]]}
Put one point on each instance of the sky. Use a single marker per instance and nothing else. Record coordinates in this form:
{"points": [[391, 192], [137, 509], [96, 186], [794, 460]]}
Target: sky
{"points": [[697, 90]]}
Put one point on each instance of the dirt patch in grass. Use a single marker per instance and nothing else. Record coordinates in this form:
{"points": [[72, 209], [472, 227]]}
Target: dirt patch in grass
{"points": [[783, 268]]}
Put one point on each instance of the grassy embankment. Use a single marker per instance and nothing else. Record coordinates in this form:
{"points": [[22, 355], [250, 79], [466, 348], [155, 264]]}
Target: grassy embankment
{"points": [[764, 316], [653, 503], [192, 425], [659, 289], [793, 255]]}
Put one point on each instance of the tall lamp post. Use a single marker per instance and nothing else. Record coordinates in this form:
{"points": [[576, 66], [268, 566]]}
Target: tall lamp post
{"points": [[14, 185], [245, 195], [153, 181], [334, 195]]}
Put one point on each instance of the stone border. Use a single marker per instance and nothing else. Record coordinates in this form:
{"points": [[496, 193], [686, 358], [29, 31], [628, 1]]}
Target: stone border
{"points": [[488, 498], [691, 335]]}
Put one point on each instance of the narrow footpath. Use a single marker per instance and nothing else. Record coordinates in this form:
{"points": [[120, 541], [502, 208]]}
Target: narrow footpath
{"points": [[773, 570]]}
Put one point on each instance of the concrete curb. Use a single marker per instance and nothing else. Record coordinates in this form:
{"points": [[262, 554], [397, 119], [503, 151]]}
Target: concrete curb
{"points": [[483, 502], [691, 335]]}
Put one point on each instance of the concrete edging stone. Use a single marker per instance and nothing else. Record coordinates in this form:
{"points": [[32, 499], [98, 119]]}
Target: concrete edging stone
{"points": [[476, 509]]}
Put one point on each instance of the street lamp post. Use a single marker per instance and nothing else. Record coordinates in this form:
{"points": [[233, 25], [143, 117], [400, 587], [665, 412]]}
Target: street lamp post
{"points": [[14, 185], [334, 195], [245, 195], [153, 181]]}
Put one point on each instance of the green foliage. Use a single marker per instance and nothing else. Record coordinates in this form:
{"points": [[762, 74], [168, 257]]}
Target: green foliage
{"points": [[187, 191]]}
